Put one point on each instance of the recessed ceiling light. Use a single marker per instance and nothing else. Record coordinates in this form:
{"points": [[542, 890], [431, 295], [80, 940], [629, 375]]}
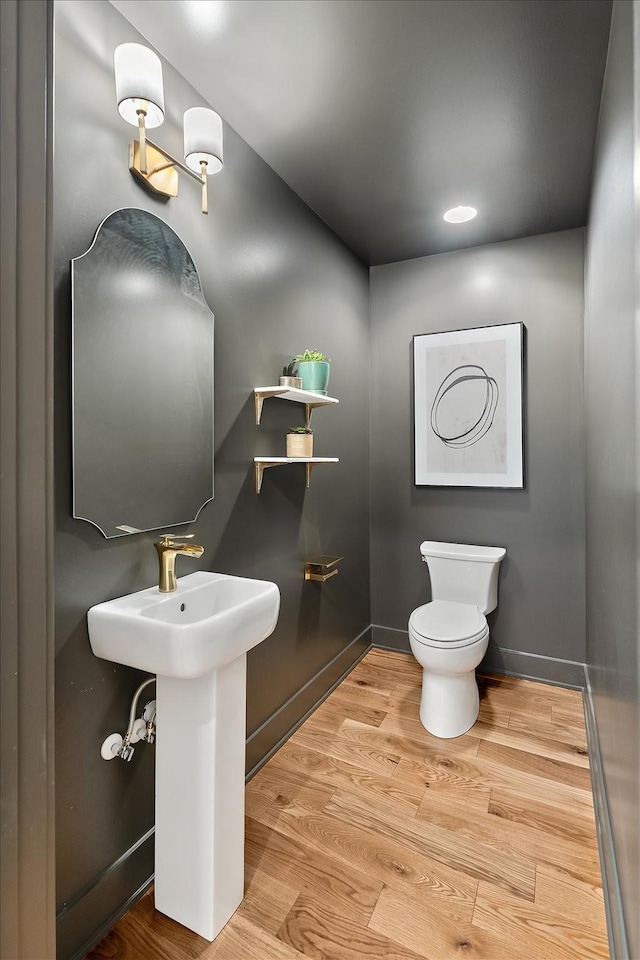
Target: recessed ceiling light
{"points": [[460, 214]]}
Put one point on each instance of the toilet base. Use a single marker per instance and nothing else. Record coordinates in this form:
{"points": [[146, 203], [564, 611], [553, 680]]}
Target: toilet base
{"points": [[449, 706]]}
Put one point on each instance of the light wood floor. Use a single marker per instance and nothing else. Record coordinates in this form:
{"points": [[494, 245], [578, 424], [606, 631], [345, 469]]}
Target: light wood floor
{"points": [[369, 838]]}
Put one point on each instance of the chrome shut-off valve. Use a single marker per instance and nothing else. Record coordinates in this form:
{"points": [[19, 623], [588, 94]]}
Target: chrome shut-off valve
{"points": [[140, 728]]}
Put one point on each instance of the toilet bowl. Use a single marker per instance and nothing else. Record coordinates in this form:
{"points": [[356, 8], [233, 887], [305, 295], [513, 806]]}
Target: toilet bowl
{"points": [[449, 636]]}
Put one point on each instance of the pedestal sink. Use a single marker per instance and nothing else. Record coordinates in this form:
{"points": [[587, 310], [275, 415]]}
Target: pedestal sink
{"points": [[196, 641]]}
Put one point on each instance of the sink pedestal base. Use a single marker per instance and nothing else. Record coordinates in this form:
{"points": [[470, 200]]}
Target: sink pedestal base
{"points": [[199, 842]]}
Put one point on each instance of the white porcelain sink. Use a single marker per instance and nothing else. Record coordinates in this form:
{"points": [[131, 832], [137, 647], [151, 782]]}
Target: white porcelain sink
{"points": [[196, 641], [209, 620]]}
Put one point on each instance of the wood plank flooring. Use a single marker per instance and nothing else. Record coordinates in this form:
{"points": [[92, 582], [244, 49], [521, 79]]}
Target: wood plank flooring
{"points": [[368, 838]]}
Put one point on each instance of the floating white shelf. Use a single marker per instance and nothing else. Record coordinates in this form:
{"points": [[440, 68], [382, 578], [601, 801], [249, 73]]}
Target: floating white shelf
{"points": [[262, 463], [311, 400]]}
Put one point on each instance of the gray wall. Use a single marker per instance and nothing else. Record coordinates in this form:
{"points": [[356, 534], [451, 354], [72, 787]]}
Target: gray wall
{"points": [[27, 771], [611, 378], [278, 281], [541, 603]]}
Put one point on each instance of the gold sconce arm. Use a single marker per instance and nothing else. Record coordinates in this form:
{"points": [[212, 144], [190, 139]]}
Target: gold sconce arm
{"points": [[158, 170], [142, 137], [205, 196]]}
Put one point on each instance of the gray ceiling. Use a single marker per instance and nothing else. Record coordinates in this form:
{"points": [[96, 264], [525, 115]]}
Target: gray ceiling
{"points": [[381, 114]]}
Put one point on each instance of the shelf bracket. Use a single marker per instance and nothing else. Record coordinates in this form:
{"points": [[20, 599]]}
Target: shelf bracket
{"points": [[262, 463], [309, 408], [260, 468], [261, 395]]}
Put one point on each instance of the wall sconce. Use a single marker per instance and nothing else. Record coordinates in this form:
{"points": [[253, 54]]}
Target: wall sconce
{"points": [[140, 96]]}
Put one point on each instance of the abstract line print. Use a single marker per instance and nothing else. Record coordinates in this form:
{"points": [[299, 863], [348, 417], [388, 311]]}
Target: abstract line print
{"points": [[468, 413], [477, 430], [465, 415]]}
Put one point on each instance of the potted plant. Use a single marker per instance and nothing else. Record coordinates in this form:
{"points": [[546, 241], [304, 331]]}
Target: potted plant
{"points": [[290, 376], [300, 442], [313, 370]]}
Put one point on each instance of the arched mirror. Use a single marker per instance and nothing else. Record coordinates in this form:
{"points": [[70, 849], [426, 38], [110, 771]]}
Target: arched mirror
{"points": [[142, 379]]}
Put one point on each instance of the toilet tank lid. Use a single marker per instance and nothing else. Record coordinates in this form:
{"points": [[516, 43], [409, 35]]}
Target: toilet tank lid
{"points": [[461, 551]]}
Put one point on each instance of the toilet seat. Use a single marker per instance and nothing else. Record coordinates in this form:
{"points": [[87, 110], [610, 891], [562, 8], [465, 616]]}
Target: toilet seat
{"points": [[443, 623]]}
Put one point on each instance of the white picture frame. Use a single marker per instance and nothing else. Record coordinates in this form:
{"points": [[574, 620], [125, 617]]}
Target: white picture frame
{"points": [[468, 407]]}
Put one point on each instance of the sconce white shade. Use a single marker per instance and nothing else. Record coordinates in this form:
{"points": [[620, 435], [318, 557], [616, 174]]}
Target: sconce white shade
{"points": [[138, 73], [202, 139]]}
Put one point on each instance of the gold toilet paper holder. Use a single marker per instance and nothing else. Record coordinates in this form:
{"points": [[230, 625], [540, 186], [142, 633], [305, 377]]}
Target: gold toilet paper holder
{"points": [[320, 568]]}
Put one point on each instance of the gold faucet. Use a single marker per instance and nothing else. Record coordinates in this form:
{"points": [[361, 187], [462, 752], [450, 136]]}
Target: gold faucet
{"points": [[168, 550]]}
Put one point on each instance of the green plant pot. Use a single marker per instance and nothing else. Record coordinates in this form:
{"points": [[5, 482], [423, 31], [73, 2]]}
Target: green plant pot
{"points": [[314, 375]]}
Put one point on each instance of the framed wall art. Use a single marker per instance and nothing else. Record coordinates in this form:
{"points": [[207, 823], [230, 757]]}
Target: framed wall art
{"points": [[468, 413]]}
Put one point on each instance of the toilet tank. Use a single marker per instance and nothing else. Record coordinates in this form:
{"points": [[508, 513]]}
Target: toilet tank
{"points": [[463, 573]]}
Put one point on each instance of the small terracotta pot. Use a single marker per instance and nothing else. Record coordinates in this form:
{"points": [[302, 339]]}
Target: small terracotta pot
{"points": [[299, 444]]}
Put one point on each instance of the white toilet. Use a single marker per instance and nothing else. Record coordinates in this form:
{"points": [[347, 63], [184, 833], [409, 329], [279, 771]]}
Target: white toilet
{"points": [[449, 636]]}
